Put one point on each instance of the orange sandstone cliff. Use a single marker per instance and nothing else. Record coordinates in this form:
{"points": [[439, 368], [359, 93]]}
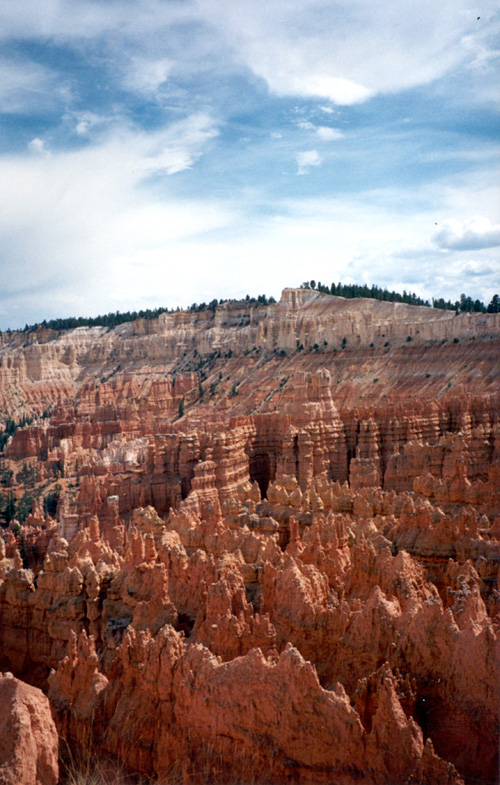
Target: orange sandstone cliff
{"points": [[260, 544]]}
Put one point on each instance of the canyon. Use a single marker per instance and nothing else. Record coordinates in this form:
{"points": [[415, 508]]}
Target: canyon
{"points": [[259, 544]]}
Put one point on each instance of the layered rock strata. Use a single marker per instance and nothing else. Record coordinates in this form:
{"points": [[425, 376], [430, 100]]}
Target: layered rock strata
{"points": [[263, 553]]}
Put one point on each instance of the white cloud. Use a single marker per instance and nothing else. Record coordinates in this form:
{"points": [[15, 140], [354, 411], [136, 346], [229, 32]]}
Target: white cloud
{"points": [[89, 124], [101, 225], [26, 87], [145, 75], [88, 231], [307, 159], [296, 81], [343, 52], [324, 132], [180, 147], [349, 50], [86, 19], [36, 145], [327, 134], [474, 233], [73, 224], [85, 121], [82, 127], [477, 269]]}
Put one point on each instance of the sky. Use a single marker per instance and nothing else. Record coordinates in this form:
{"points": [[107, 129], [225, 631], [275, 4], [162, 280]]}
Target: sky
{"points": [[166, 152]]}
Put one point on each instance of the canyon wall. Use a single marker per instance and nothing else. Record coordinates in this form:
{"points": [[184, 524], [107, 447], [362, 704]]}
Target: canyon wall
{"points": [[262, 543]]}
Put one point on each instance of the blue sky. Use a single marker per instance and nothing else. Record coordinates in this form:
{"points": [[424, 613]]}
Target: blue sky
{"points": [[164, 153]]}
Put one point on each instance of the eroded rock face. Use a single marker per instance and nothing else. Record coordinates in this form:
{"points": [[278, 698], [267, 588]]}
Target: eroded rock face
{"points": [[28, 736], [259, 551], [183, 704]]}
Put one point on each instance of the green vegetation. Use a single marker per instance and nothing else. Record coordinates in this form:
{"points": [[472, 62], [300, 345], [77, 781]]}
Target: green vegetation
{"points": [[465, 304], [116, 318], [262, 299], [27, 475], [11, 427], [11, 509], [6, 476], [7, 508], [108, 320], [24, 507]]}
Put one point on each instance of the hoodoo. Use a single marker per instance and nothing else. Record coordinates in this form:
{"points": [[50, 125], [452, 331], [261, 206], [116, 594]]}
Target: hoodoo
{"points": [[257, 543]]}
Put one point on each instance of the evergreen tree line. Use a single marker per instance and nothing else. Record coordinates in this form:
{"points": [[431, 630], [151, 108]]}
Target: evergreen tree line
{"points": [[465, 304], [108, 320], [262, 299], [116, 318]]}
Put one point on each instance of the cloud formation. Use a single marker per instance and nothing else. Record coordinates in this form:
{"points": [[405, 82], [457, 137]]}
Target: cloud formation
{"points": [[306, 159], [151, 157], [324, 132], [26, 87], [76, 219], [344, 52], [473, 234], [347, 52], [327, 134], [37, 145], [145, 75]]}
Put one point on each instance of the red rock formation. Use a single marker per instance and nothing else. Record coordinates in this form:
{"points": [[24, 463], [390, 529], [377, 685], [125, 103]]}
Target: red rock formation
{"points": [[182, 704], [28, 737], [261, 540]]}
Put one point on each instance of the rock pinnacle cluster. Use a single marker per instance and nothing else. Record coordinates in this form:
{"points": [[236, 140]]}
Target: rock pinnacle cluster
{"points": [[254, 544]]}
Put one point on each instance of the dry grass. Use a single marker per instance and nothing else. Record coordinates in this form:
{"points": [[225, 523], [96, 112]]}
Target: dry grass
{"points": [[83, 767]]}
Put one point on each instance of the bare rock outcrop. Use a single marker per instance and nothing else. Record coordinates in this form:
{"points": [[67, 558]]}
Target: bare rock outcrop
{"points": [[28, 736], [262, 542], [247, 719]]}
